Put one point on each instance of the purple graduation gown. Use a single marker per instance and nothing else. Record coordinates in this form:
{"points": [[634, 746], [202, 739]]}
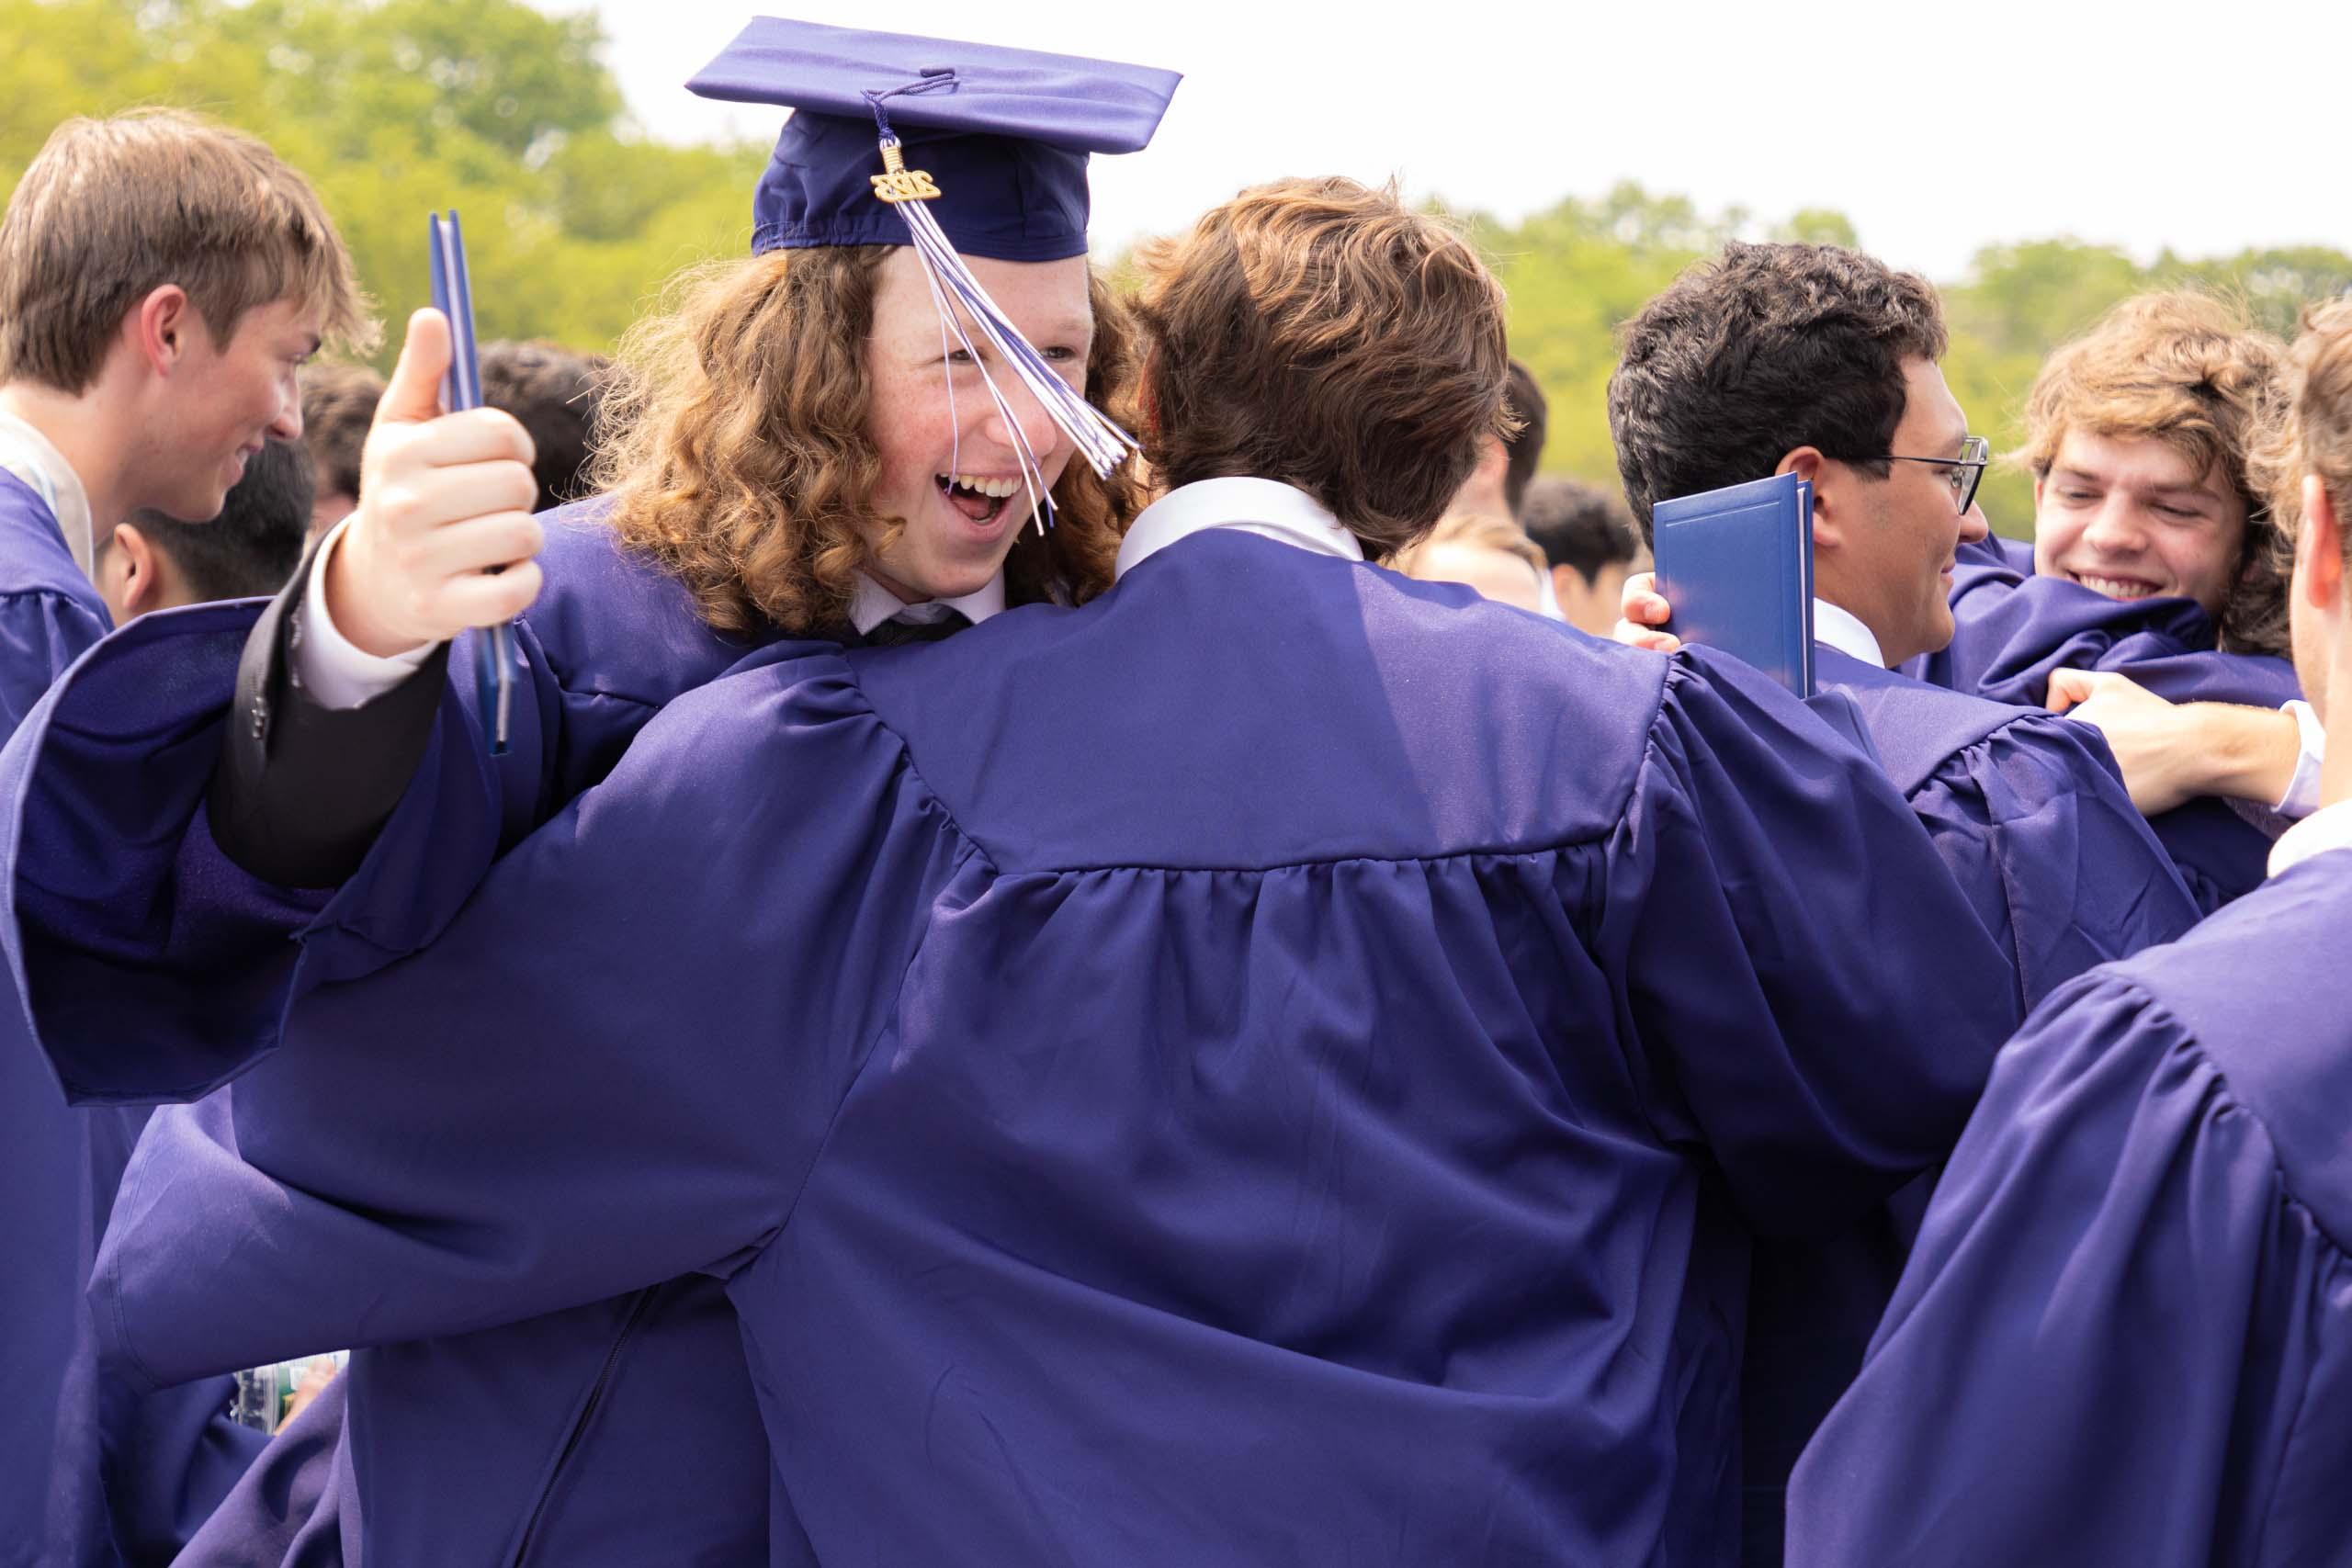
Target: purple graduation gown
{"points": [[159, 970], [2035, 826], [90, 1472], [2125, 1336], [296, 1506], [2012, 628], [1281, 1062]]}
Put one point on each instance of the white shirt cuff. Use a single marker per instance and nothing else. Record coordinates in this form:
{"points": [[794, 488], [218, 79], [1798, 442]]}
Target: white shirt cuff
{"points": [[326, 664], [2302, 790]]}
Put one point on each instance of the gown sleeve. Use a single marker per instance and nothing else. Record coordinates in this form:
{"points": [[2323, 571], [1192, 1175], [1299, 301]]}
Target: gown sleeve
{"points": [[1799, 964], [150, 967], [611, 1069], [297, 1506], [2035, 817], [2039, 836], [2103, 1339], [41, 634]]}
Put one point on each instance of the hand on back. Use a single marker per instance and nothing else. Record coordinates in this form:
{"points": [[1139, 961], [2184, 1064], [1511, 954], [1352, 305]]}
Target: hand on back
{"points": [[443, 537]]}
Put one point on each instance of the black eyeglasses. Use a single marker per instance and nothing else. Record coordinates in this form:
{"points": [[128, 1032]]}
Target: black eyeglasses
{"points": [[1967, 469]]}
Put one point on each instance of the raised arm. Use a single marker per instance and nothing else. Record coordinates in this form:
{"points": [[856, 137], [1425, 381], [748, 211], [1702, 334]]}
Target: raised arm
{"points": [[339, 684]]}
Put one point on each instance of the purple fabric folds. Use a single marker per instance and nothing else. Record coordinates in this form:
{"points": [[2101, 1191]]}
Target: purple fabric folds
{"points": [[2123, 1336], [1101, 1172], [160, 971], [2012, 629]]}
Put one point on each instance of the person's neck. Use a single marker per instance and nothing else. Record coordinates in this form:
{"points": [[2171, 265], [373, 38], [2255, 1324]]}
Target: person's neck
{"points": [[88, 435], [2336, 768], [1476, 499]]}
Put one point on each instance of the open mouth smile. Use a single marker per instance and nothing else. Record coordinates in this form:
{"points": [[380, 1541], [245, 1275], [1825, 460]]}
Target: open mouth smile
{"points": [[2114, 587], [978, 498]]}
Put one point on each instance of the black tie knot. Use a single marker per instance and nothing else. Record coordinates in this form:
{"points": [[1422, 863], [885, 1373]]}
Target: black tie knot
{"points": [[897, 631]]}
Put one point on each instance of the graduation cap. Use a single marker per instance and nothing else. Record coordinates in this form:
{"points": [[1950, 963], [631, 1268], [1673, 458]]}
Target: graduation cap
{"points": [[955, 149]]}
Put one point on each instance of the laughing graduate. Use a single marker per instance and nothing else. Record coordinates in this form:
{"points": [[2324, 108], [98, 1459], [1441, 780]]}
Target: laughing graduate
{"points": [[1278, 1062], [875, 428], [2153, 558], [2120, 1338]]}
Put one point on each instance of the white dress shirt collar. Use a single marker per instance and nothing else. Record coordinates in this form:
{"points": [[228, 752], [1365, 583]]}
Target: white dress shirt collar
{"points": [[1843, 630], [1265, 507], [28, 453], [872, 605], [2329, 828]]}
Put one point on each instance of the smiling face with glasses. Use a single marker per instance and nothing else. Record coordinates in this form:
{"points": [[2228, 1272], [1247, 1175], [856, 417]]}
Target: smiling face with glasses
{"points": [[1883, 544]]}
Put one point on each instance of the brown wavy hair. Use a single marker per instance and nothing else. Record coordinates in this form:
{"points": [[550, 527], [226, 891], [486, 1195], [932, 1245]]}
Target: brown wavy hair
{"points": [[2311, 430], [1322, 333], [111, 210], [735, 453], [2191, 371]]}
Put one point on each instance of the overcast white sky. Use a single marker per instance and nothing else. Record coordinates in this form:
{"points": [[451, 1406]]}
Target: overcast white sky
{"points": [[1937, 128]]}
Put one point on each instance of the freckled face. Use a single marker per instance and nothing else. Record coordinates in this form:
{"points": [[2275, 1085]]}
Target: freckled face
{"points": [[2134, 519], [950, 460]]}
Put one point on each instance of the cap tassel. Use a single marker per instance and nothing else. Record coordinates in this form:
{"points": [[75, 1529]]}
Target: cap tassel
{"points": [[957, 294]]}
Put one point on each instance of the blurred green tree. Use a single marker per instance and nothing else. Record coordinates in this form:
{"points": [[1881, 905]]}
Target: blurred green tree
{"points": [[396, 108], [1577, 271]]}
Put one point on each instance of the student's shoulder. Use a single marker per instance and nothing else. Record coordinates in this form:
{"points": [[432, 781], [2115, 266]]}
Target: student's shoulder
{"points": [[1362, 715], [776, 712], [1919, 727], [612, 621], [35, 564], [2255, 987]]}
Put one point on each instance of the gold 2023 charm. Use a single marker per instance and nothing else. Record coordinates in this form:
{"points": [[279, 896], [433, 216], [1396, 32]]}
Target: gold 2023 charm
{"points": [[898, 183]]}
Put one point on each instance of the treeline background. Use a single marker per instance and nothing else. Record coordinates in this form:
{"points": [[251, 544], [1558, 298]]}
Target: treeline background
{"points": [[398, 107]]}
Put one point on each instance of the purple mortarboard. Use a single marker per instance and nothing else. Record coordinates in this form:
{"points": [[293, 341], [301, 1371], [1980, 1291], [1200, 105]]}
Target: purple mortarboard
{"points": [[951, 149], [1003, 133]]}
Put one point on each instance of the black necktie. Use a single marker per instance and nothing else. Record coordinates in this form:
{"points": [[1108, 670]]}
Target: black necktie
{"points": [[893, 633]]}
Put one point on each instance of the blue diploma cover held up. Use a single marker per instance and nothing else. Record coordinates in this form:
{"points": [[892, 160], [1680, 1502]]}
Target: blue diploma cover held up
{"points": [[1736, 564]]}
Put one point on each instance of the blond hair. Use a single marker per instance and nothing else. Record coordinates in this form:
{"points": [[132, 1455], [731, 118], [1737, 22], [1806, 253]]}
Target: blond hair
{"points": [[1480, 530], [2311, 433], [2191, 371], [737, 456], [112, 209]]}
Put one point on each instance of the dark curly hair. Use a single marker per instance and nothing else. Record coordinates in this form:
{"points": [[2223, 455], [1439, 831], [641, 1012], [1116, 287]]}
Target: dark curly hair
{"points": [[1762, 350], [554, 393]]}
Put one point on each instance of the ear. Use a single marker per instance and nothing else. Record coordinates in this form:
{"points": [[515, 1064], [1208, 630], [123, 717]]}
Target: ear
{"points": [[1146, 403], [137, 568], [159, 328], [1808, 464], [2320, 552]]}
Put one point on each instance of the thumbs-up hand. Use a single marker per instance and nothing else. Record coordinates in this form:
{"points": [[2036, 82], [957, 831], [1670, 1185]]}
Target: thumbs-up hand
{"points": [[443, 499]]}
